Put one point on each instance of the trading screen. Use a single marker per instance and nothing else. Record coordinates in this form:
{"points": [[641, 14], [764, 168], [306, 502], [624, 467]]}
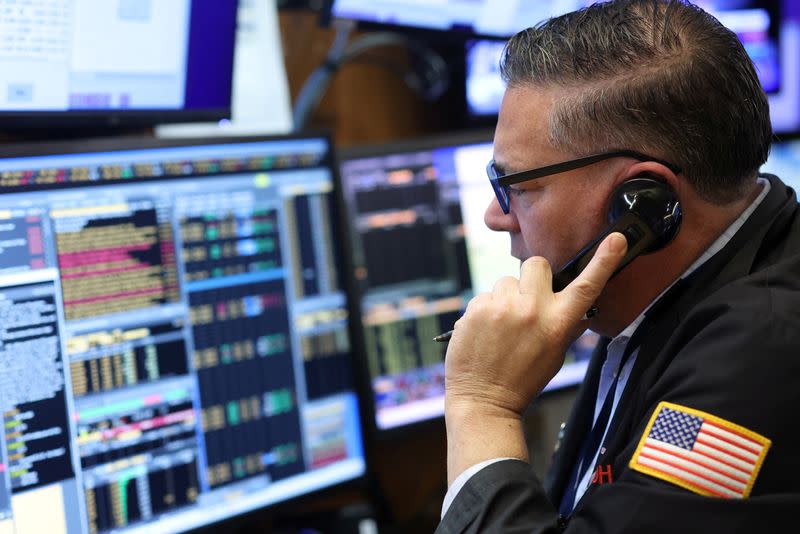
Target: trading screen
{"points": [[173, 336], [421, 252]]}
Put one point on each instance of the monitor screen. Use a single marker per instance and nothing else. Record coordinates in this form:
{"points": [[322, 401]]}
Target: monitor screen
{"points": [[120, 60], [784, 162], [421, 252], [769, 31], [174, 338]]}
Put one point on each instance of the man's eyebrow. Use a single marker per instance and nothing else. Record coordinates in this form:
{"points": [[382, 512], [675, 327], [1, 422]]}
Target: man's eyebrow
{"points": [[499, 168]]}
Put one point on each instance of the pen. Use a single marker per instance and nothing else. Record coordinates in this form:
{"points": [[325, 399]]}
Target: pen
{"points": [[443, 338]]}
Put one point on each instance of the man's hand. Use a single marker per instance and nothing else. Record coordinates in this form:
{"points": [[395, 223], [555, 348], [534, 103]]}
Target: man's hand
{"points": [[508, 345]]}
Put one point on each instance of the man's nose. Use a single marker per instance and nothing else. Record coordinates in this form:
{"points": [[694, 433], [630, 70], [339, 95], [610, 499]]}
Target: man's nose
{"points": [[496, 220]]}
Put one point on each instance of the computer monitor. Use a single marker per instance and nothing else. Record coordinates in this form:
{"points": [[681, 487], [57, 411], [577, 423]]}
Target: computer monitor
{"points": [[174, 345], [126, 62], [420, 252], [769, 30]]}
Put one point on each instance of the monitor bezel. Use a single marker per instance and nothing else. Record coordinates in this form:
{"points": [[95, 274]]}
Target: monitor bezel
{"points": [[13, 121], [128, 143], [139, 142]]}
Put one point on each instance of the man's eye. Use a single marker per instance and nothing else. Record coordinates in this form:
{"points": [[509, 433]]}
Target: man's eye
{"points": [[513, 191]]}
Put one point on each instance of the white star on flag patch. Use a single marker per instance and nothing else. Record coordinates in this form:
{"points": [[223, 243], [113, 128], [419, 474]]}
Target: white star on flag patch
{"points": [[700, 452]]}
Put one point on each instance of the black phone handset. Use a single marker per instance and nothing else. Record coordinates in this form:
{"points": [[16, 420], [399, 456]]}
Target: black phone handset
{"points": [[647, 212]]}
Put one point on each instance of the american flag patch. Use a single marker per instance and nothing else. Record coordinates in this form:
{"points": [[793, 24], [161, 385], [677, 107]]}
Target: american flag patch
{"points": [[700, 452]]}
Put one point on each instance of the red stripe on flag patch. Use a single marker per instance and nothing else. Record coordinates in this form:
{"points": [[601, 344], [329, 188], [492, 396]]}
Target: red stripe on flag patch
{"points": [[700, 463]]}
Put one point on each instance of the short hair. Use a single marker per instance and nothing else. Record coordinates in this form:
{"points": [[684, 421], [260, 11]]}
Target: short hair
{"points": [[658, 76]]}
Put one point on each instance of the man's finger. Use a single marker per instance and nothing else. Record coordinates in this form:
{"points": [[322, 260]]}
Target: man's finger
{"points": [[581, 294], [507, 285], [535, 276], [478, 301]]}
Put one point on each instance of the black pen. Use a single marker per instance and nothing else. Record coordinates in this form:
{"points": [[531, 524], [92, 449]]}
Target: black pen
{"points": [[443, 338]]}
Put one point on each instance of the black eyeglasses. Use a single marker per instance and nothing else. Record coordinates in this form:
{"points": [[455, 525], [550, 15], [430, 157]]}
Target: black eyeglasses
{"points": [[501, 183]]}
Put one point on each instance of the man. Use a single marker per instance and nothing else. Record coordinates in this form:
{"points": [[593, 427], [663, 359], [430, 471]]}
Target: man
{"points": [[685, 421]]}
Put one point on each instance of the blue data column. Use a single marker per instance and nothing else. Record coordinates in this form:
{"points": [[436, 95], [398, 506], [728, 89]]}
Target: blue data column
{"points": [[301, 238], [242, 351]]}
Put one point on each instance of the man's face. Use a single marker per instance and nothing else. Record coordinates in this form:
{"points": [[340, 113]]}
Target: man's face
{"points": [[554, 216]]}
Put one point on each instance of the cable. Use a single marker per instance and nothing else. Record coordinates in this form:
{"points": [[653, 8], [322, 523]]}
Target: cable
{"points": [[311, 93], [430, 80]]}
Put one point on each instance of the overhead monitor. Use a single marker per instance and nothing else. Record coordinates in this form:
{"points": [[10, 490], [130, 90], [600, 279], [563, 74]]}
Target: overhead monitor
{"points": [[112, 62], [500, 18], [420, 252], [769, 30], [174, 337]]}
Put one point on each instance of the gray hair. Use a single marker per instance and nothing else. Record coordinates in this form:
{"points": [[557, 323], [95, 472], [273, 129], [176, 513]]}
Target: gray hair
{"points": [[658, 76]]}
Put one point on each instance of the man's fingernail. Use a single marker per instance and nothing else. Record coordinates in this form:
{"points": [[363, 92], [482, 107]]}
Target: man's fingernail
{"points": [[617, 243]]}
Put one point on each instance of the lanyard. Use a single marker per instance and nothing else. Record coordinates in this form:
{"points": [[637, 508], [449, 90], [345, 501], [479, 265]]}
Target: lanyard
{"points": [[591, 442]]}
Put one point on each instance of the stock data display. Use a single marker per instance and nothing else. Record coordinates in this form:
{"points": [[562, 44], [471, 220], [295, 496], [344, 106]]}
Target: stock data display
{"points": [[114, 257], [421, 252], [32, 387], [174, 338]]}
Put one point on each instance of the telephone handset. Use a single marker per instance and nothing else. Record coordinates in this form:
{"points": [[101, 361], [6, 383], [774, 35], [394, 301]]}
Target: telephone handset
{"points": [[647, 212]]}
